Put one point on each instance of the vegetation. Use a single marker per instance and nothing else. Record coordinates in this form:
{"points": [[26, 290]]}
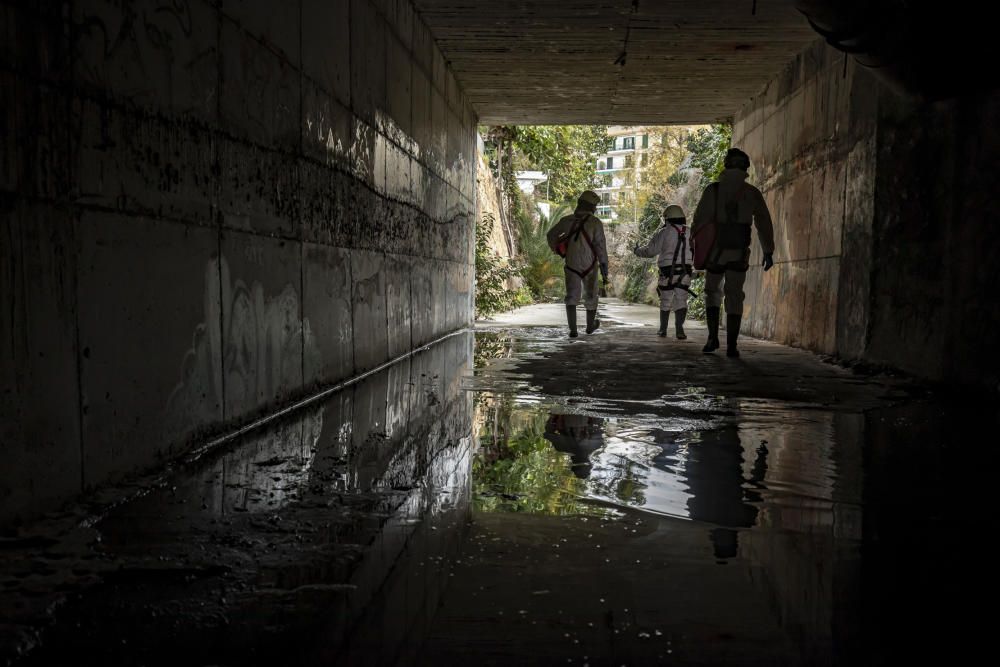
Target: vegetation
{"points": [[493, 293], [564, 152], [696, 304], [708, 149], [542, 269], [516, 469]]}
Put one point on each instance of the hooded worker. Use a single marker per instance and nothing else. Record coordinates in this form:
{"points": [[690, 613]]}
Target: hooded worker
{"points": [[733, 206], [579, 239], [672, 248]]}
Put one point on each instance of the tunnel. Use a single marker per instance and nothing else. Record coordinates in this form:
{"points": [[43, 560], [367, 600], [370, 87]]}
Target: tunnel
{"points": [[242, 386]]}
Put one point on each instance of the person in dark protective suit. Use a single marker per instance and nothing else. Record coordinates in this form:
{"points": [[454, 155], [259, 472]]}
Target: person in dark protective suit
{"points": [[579, 240], [733, 206]]}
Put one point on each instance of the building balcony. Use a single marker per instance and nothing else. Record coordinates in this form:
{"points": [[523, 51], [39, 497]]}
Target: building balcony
{"points": [[622, 151]]}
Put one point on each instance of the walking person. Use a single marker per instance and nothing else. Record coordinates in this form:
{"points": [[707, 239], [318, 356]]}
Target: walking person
{"points": [[730, 206], [579, 240], [672, 248]]}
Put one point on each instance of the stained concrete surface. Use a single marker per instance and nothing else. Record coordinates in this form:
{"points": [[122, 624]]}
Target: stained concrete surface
{"points": [[660, 507], [658, 62], [179, 182], [868, 187], [241, 555]]}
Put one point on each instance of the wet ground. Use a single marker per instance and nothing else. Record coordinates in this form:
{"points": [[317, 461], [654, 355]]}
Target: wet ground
{"points": [[616, 499]]}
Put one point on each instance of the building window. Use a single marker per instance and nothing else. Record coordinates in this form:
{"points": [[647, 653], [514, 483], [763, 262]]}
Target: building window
{"points": [[628, 142], [645, 141], [611, 163], [601, 165], [644, 160], [605, 198], [628, 161]]}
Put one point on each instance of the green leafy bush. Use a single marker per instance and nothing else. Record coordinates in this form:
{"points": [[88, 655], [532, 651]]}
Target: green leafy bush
{"points": [[542, 269], [493, 295]]}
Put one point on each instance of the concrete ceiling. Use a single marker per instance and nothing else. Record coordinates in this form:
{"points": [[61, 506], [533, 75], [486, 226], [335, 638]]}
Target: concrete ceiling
{"points": [[614, 61]]}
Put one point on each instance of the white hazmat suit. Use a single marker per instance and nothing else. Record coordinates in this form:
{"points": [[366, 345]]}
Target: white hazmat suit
{"points": [[672, 248], [586, 252]]}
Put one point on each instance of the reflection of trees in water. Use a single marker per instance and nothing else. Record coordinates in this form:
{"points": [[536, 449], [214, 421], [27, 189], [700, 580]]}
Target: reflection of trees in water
{"points": [[491, 346], [516, 469], [581, 436]]}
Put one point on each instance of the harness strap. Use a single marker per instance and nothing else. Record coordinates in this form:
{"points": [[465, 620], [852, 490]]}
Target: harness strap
{"points": [[682, 268], [590, 244], [686, 288]]}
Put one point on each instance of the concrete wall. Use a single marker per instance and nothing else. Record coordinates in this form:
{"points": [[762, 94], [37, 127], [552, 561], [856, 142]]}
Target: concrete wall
{"points": [[885, 214], [810, 136], [936, 239], [208, 208]]}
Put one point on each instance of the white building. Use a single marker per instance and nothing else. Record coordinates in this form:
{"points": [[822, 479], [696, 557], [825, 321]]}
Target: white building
{"points": [[529, 180], [621, 169]]}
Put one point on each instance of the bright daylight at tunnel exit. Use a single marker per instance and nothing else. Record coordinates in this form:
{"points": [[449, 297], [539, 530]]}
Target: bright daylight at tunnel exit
{"points": [[425, 332]]}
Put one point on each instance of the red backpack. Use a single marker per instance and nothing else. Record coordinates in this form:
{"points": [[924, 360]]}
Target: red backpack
{"points": [[703, 241]]}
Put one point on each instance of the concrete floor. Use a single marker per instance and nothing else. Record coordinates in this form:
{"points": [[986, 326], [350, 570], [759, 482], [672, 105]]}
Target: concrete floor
{"points": [[615, 499]]}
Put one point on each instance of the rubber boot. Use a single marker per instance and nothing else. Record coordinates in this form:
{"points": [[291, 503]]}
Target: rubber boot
{"points": [[664, 320], [593, 324], [679, 317], [732, 334], [712, 319], [571, 318]]}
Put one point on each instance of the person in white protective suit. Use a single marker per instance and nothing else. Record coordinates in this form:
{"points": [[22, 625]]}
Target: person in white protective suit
{"points": [[733, 205], [579, 239], [672, 248]]}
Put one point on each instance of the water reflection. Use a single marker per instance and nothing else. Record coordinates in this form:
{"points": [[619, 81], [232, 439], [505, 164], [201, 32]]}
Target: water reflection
{"points": [[780, 497], [741, 530], [516, 468], [722, 474], [719, 492], [304, 531], [576, 435]]}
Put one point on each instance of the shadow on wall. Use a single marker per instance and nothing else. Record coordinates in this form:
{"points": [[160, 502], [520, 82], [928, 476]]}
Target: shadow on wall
{"points": [[249, 349]]}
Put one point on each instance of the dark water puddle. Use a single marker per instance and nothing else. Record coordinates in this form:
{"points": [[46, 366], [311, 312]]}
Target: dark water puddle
{"points": [[506, 507], [729, 473], [748, 529]]}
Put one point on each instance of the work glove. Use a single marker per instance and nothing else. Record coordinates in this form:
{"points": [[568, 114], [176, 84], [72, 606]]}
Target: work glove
{"points": [[604, 272], [768, 262]]}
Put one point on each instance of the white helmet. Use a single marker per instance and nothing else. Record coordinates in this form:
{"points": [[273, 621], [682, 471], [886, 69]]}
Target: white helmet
{"points": [[673, 212]]}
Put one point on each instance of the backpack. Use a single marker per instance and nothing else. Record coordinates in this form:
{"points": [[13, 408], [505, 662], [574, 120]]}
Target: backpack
{"points": [[718, 236], [560, 245]]}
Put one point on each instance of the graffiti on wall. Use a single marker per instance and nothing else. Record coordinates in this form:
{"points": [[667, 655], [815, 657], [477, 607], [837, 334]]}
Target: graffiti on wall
{"points": [[247, 353]]}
